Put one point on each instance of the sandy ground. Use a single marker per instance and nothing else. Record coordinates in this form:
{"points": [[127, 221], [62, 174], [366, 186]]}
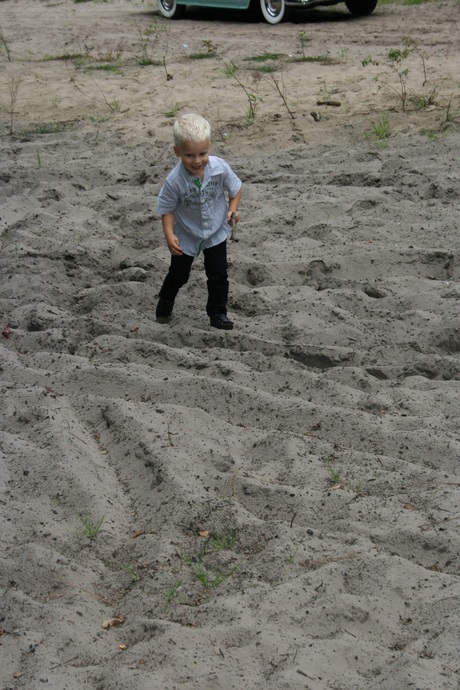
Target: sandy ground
{"points": [[272, 507]]}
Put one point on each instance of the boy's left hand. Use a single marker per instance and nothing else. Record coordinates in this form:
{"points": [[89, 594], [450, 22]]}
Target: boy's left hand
{"points": [[232, 218]]}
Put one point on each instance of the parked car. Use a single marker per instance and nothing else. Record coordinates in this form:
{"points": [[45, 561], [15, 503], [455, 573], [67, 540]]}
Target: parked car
{"points": [[273, 11]]}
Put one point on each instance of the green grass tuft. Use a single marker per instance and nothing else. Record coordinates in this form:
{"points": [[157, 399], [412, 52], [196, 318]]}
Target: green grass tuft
{"points": [[92, 527], [263, 57]]}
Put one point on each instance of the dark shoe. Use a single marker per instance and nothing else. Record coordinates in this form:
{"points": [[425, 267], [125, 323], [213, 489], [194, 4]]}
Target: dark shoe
{"points": [[164, 310], [221, 321]]}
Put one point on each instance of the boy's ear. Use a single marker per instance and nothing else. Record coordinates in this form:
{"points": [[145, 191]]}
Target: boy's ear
{"points": [[176, 151]]}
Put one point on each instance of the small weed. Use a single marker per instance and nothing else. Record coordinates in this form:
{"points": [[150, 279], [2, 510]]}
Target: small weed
{"points": [[343, 55], [200, 56], [209, 51], [424, 101], [92, 528], [302, 38], [131, 570], [106, 68], [148, 43], [109, 57], [323, 59], [369, 60], [210, 579], [173, 110], [263, 57], [80, 61], [265, 69], [281, 92], [14, 83], [381, 131], [450, 117], [334, 475], [326, 96], [5, 46], [221, 542], [38, 157], [115, 106], [172, 593], [412, 47], [431, 134], [290, 558], [145, 61], [231, 70], [46, 129], [253, 101], [98, 119], [65, 56], [395, 59]]}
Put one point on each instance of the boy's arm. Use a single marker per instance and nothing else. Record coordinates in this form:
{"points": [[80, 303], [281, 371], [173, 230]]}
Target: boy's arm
{"points": [[167, 220], [233, 205]]}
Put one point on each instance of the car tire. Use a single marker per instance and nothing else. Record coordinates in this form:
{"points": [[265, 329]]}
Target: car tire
{"points": [[361, 7], [170, 9], [273, 11]]}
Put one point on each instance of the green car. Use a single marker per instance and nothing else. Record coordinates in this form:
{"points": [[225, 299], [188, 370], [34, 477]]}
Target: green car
{"points": [[273, 11]]}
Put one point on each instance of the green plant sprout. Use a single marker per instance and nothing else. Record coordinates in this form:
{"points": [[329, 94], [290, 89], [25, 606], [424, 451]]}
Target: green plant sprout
{"points": [[302, 38], [172, 593], [396, 57], [382, 131], [148, 40], [281, 92], [265, 69], [209, 51], [92, 528], [369, 60], [173, 109], [14, 83], [4, 45], [221, 542], [253, 100], [115, 69], [210, 579], [263, 57], [334, 475], [131, 570]]}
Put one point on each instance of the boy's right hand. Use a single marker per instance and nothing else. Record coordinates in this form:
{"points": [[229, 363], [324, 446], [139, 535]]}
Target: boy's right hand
{"points": [[174, 246]]}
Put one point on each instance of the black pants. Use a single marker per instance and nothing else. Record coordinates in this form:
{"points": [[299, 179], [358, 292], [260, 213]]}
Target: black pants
{"points": [[215, 265]]}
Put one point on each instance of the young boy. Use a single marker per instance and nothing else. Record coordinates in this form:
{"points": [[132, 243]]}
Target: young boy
{"points": [[195, 215]]}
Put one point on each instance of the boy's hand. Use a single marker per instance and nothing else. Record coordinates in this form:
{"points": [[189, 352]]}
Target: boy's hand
{"points": [[174, 246], [232, 218]]}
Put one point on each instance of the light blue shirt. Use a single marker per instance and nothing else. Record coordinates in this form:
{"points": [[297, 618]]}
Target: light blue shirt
{"points": [[200, 209]]}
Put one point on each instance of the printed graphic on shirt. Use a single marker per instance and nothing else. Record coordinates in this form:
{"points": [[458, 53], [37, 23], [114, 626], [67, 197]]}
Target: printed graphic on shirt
{"points": [[194, 198]]}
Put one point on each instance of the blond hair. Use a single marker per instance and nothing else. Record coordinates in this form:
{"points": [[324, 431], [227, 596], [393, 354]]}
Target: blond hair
{"points": [[191, 127]]}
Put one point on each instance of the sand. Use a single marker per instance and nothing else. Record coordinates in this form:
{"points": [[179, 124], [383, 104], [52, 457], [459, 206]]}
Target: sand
{"points": [[273, 507]]}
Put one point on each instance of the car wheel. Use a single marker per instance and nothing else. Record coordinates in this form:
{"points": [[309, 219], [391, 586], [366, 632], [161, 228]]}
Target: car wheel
{"points": [[273, 11], [361, 7], [170, 9]]}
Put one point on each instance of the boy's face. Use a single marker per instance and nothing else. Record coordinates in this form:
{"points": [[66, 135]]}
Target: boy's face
{"points": [[194, 155]]}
